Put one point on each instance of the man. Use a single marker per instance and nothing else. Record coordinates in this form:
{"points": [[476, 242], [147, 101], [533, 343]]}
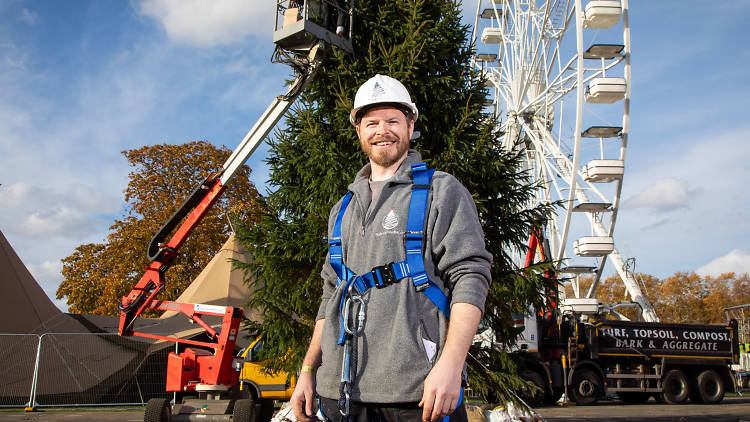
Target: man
{"points": [[402, 357]]}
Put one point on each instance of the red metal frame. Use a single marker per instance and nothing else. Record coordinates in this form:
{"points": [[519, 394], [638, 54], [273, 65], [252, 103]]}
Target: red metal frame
{"points": [[192, 367], [152, 280]]}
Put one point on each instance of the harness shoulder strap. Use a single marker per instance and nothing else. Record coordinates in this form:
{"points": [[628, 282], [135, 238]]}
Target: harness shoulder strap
{"points": [[414, 237], [334, 243]]}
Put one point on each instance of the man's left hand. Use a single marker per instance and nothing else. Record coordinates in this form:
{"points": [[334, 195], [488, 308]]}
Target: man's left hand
{"points": [[442, 389]]}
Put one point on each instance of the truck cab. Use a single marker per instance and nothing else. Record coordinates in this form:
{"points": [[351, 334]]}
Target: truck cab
{"points": [[257, 383]]}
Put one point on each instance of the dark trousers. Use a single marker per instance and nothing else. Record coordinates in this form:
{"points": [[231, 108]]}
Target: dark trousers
{"points": [[382, 412]]}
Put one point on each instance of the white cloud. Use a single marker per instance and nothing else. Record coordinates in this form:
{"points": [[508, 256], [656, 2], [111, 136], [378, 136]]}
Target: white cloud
{"points": [[663, 195], [45, 270], [57, 221], [736, 261], [87, 199], [48, 276], [17, 63], [37, 211], [28, 16], [210, 23]]}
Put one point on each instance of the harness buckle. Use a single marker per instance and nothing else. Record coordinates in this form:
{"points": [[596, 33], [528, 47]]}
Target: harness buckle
{"points": [[383, 275], [413, 235]]}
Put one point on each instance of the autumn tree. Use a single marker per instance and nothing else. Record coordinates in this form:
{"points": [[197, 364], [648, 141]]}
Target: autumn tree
{"points": [[684, 297], [691, 298], [611, 290], [96, 276], [313, 159]]}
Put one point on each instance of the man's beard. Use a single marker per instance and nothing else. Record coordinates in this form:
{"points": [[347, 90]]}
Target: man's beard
{"points": [[384, 158]]}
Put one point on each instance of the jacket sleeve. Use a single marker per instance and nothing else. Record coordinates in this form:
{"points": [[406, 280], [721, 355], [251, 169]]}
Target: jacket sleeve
{"points": [[457, 245], [327, 273]]}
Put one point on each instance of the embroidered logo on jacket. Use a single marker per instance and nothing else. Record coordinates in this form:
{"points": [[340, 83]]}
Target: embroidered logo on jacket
{"points": [[390, 221]]}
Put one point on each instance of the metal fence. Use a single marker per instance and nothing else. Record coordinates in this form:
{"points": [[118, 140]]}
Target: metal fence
{"points": [[74, 369]]}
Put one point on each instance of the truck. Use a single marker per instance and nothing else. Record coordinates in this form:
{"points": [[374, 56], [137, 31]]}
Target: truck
{"points": [[578, 349], [213, 382], [587, 351]]}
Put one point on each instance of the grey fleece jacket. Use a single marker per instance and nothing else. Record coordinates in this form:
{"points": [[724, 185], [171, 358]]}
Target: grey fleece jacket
{"points": [[404, 332]]}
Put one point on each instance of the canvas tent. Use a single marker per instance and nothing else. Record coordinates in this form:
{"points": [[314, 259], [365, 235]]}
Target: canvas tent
{"points": [[71, 360], [218, 284], [24, 305], [81, 358]]}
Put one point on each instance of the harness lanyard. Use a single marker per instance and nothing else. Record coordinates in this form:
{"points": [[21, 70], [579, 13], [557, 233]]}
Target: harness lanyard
{"points": [[380, 277], [349, 361]]}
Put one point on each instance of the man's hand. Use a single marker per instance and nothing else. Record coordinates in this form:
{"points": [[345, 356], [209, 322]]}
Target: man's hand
{"points": [[302, 398], [442, 389], [304, 392]]}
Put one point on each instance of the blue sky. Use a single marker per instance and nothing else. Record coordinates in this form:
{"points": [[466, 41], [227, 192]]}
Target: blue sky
{"points": [[82, 81]]}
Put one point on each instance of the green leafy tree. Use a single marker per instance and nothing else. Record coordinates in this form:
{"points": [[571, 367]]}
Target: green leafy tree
{"points": [[96, 276], [424, 45]]}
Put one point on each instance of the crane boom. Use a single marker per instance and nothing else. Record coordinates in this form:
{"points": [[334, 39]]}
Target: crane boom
{"points": [[192, 211], [268, 120]]}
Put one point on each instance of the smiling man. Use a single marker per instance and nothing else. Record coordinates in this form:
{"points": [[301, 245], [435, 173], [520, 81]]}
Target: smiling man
{"points": [[405, 280]]}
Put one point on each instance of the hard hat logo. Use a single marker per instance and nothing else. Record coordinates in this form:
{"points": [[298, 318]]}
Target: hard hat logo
{"points": [[377, 92], [382, 89]]}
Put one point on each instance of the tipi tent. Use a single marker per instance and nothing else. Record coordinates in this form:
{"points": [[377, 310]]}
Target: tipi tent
{"points": [[218, 283], [104, 368], [24, 305], [71, 360]]}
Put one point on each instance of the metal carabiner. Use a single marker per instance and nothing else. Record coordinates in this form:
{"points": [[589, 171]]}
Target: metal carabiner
{"points": [[345, 398], [360, 324]]}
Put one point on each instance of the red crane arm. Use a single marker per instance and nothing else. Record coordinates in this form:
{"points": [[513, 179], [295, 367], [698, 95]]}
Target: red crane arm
{"points": [[141, 297]]}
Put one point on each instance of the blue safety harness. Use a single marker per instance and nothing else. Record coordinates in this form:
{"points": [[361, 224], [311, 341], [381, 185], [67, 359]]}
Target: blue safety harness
{"points": [[413, 266], [384, 275]]}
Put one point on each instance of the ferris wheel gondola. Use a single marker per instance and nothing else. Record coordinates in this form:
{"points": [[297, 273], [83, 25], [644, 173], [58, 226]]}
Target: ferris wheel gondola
{"points": [[549, 75]]}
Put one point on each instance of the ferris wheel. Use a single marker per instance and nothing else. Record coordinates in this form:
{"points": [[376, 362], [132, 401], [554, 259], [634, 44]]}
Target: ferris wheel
{"points": [[559, 76]]}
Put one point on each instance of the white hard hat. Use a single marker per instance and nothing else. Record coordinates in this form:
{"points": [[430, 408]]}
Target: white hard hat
{"points": [[382, 89]]}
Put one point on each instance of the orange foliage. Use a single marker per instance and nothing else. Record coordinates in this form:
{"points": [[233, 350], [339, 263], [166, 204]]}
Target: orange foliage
{"points": [[683, 297], [96, 276]]}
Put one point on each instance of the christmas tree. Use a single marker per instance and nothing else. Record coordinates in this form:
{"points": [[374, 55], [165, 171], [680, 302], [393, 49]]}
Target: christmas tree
{"points": [[316, 155]]}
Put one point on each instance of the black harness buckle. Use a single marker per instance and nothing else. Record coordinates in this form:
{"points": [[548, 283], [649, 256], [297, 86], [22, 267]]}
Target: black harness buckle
{"points": [[383, 275]]}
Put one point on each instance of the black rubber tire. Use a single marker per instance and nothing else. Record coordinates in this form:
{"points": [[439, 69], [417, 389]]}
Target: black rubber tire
{"points": [[532, 397], [675, 387], [585, 387], [266, 410], [633, 397], [709, 388], [554, 397], [244, 411], [157, 410]]}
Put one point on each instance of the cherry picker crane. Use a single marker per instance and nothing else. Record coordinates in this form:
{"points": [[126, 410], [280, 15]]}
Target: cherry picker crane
{"points": [[206, 370]]}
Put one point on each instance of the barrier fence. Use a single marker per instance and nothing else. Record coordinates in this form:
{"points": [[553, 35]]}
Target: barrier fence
{"points": [[81, 369]]}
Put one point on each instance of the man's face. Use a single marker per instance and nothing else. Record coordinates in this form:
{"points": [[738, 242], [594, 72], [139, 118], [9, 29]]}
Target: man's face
{"points": [[384, 135]]}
